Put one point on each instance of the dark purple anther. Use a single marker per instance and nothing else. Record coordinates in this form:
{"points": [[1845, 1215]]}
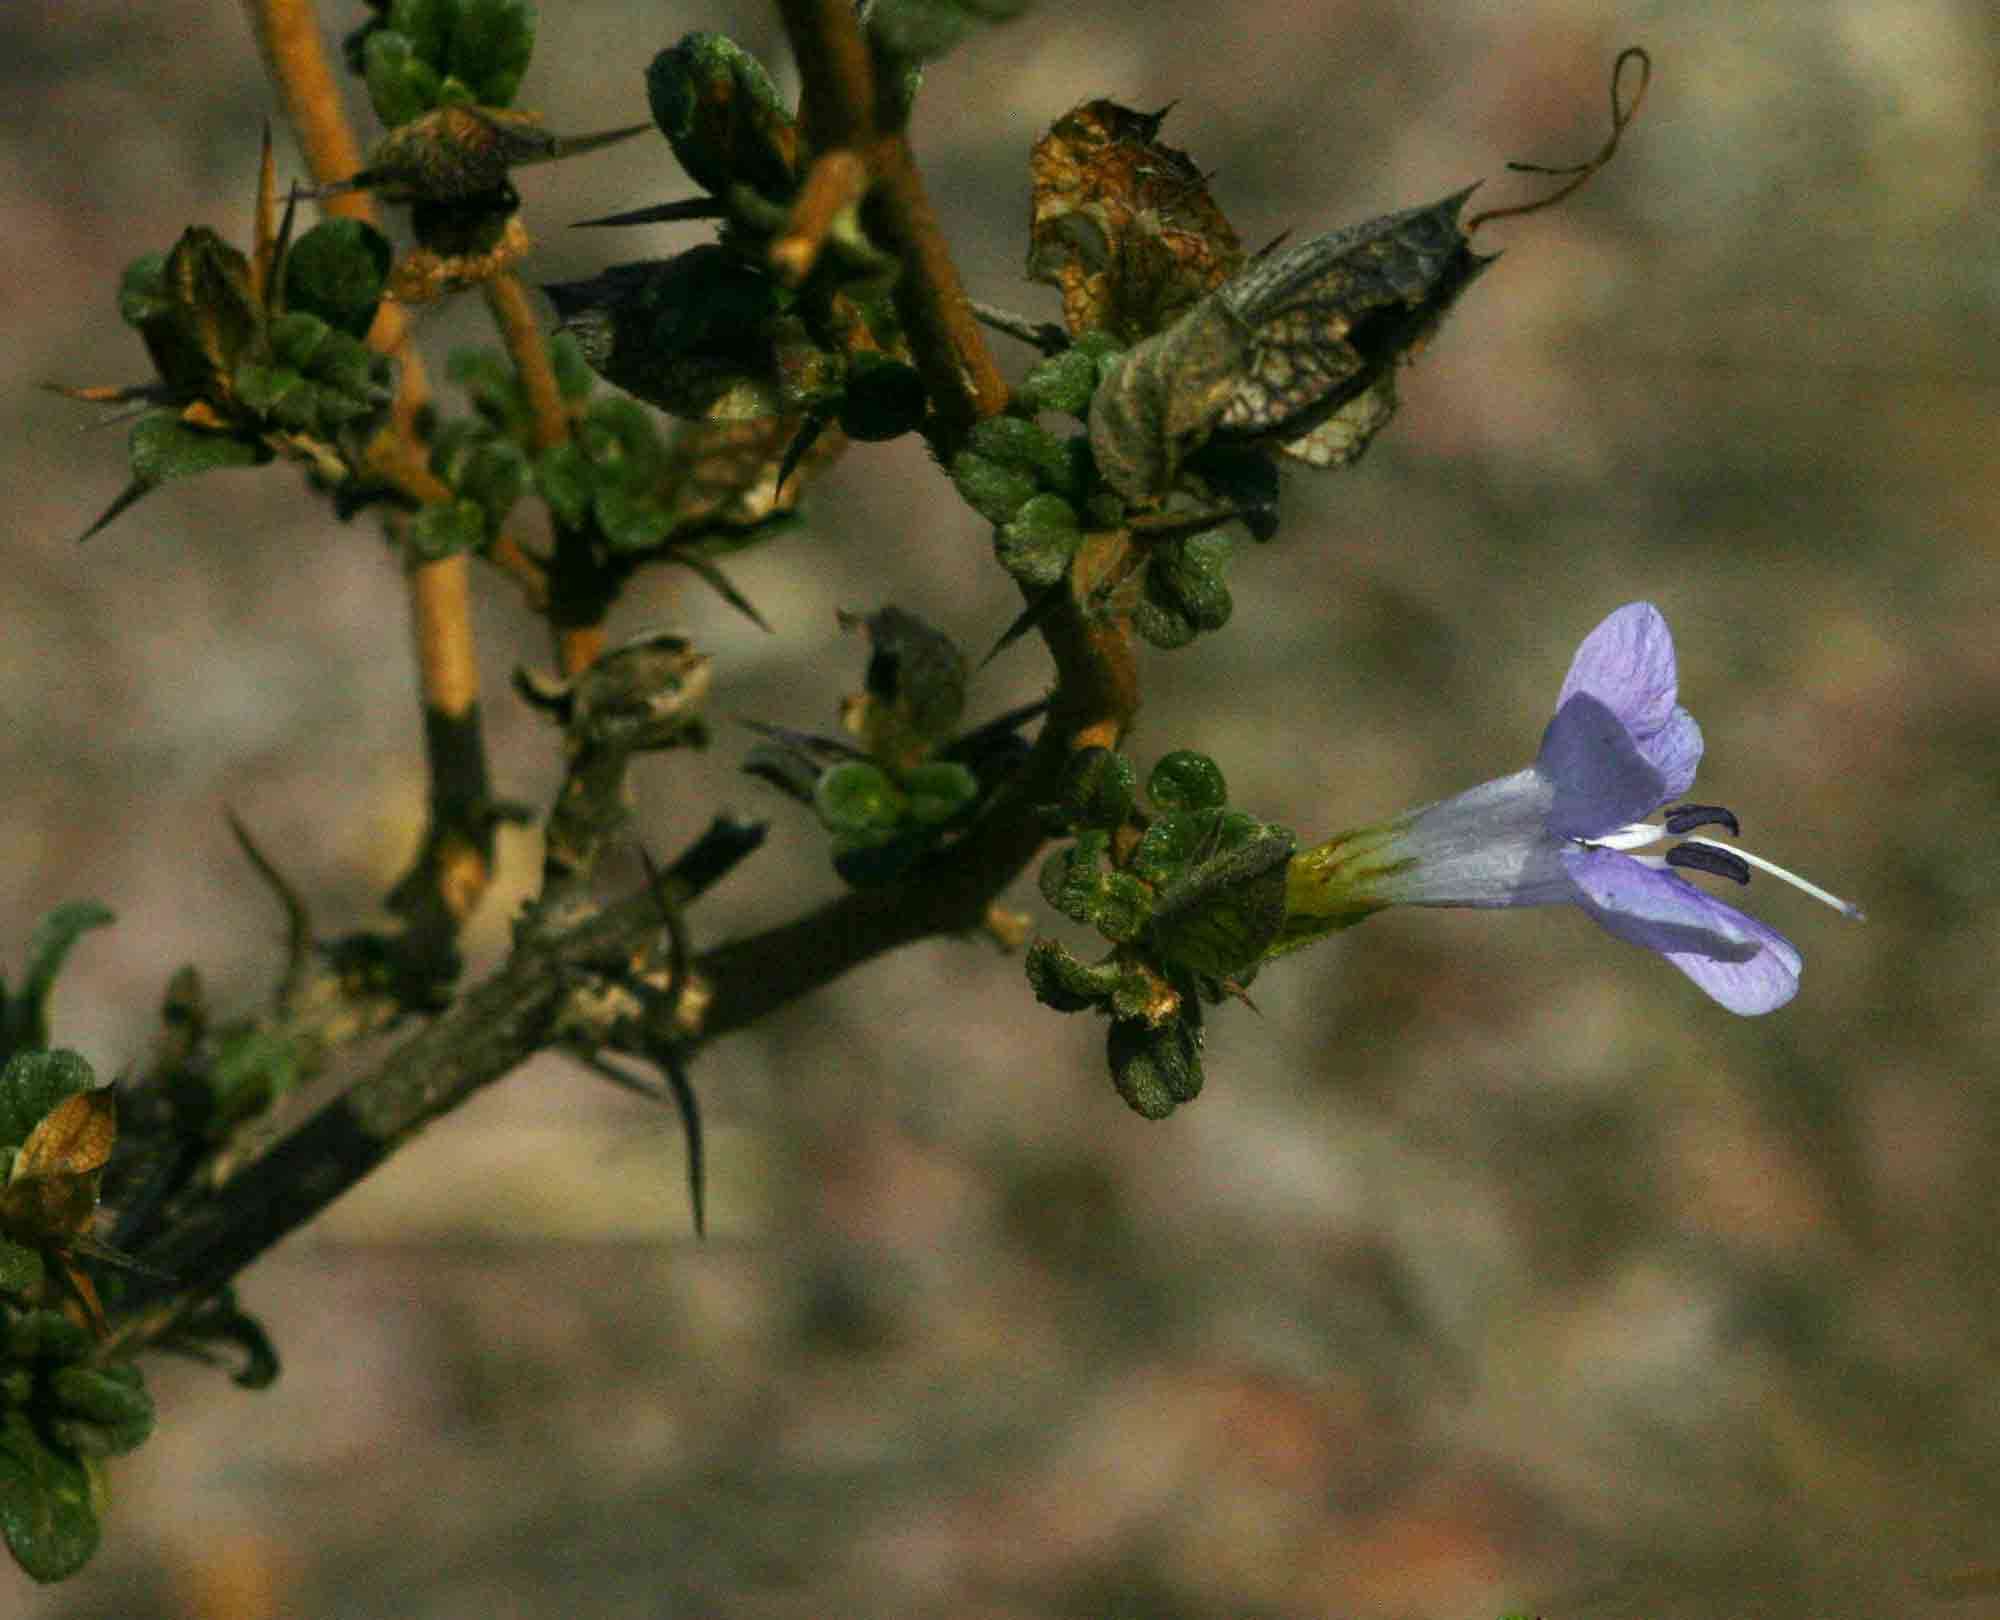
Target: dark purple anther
{"points": [[1711, 859], [1687, 817]]}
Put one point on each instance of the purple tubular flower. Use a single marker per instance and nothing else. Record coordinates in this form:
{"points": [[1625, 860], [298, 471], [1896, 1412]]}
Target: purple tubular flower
{"points": [[1619, 748]]}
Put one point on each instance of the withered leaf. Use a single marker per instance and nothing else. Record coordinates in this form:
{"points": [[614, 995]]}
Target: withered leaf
{"points": [[51, 1193], [1123, 224], [1329, 319], [1296, 353]]}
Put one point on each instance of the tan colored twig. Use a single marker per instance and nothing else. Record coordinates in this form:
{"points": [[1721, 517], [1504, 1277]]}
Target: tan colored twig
{"points": [[457, 859], [836, 182], [843, 106]]}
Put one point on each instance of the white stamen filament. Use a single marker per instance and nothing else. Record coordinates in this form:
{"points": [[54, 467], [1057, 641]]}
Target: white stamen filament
{"points": [[1847, 908], [1642, 833]]}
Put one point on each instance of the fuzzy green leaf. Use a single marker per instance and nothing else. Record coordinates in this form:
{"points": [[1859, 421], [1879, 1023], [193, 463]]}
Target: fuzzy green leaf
{"points": [[445, 528], [1156, 1070], [163, 447], [857, 797], [995, 492], [939, 791], [1063, 382], [491, 46], [337, 271], [1185, 780], [46, 1512], [1099, 788], [402, 85], [1037, 543]]}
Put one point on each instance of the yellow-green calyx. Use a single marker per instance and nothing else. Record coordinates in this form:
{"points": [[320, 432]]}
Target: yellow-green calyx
{"points": [[1336, 884]]}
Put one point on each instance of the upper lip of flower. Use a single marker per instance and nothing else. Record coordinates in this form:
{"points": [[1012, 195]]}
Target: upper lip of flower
{"points": [[1619, 748]]}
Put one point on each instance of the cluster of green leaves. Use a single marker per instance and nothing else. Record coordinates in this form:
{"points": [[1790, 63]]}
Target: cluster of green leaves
{"points": [[242, 375], [1189, 898], [417, 55], [60, 1417], [1042, 493], [61, 1412], [910, 781], [489, 458], [711, 333]]}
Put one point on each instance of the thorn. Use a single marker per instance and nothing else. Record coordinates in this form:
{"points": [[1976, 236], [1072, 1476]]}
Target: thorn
{"points": [[1038, 609], [660, 213], [298, 920], [131, 494], [801, 445], [718, 581]]}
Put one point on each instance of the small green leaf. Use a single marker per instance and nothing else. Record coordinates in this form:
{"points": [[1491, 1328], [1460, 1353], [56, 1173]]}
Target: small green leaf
{"points": [[103, 1411], [1014, 442], [1063, 981], [402, 86], [857, 797], [142, 291], [574, 378], [163, 447], [44, 1337], [1222, 914], [427, 24], [1071, 878], [32, 1084], [563, 479], [492, 43], [254, 1066], [1161, 625], [272, 391], [632, 520], [46, 1512], [1063, 382], [1099, 788], [1186, 578], [995, 492], [1038, 542], [446, 528], [722, 114], [937, 792], [1156, 1070], [296, 337], [1121, 907], [1185, 780], [337, 271]]}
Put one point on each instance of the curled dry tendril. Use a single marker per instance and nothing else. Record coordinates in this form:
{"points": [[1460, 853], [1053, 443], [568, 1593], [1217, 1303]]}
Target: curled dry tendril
{"points": [[1622, 114]]}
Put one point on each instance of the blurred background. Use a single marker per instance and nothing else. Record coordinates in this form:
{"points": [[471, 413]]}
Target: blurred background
{"points": [[1496, 1268]]}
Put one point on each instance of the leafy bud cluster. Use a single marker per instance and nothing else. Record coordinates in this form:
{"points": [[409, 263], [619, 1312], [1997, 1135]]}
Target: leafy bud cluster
{"points": [[909, 782], [60, 1414], [254, 361], [1189, 898]]}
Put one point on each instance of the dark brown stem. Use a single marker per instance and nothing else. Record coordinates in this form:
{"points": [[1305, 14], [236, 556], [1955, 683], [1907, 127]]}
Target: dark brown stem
{"points": [[484, 1036], [1096, 696]]}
